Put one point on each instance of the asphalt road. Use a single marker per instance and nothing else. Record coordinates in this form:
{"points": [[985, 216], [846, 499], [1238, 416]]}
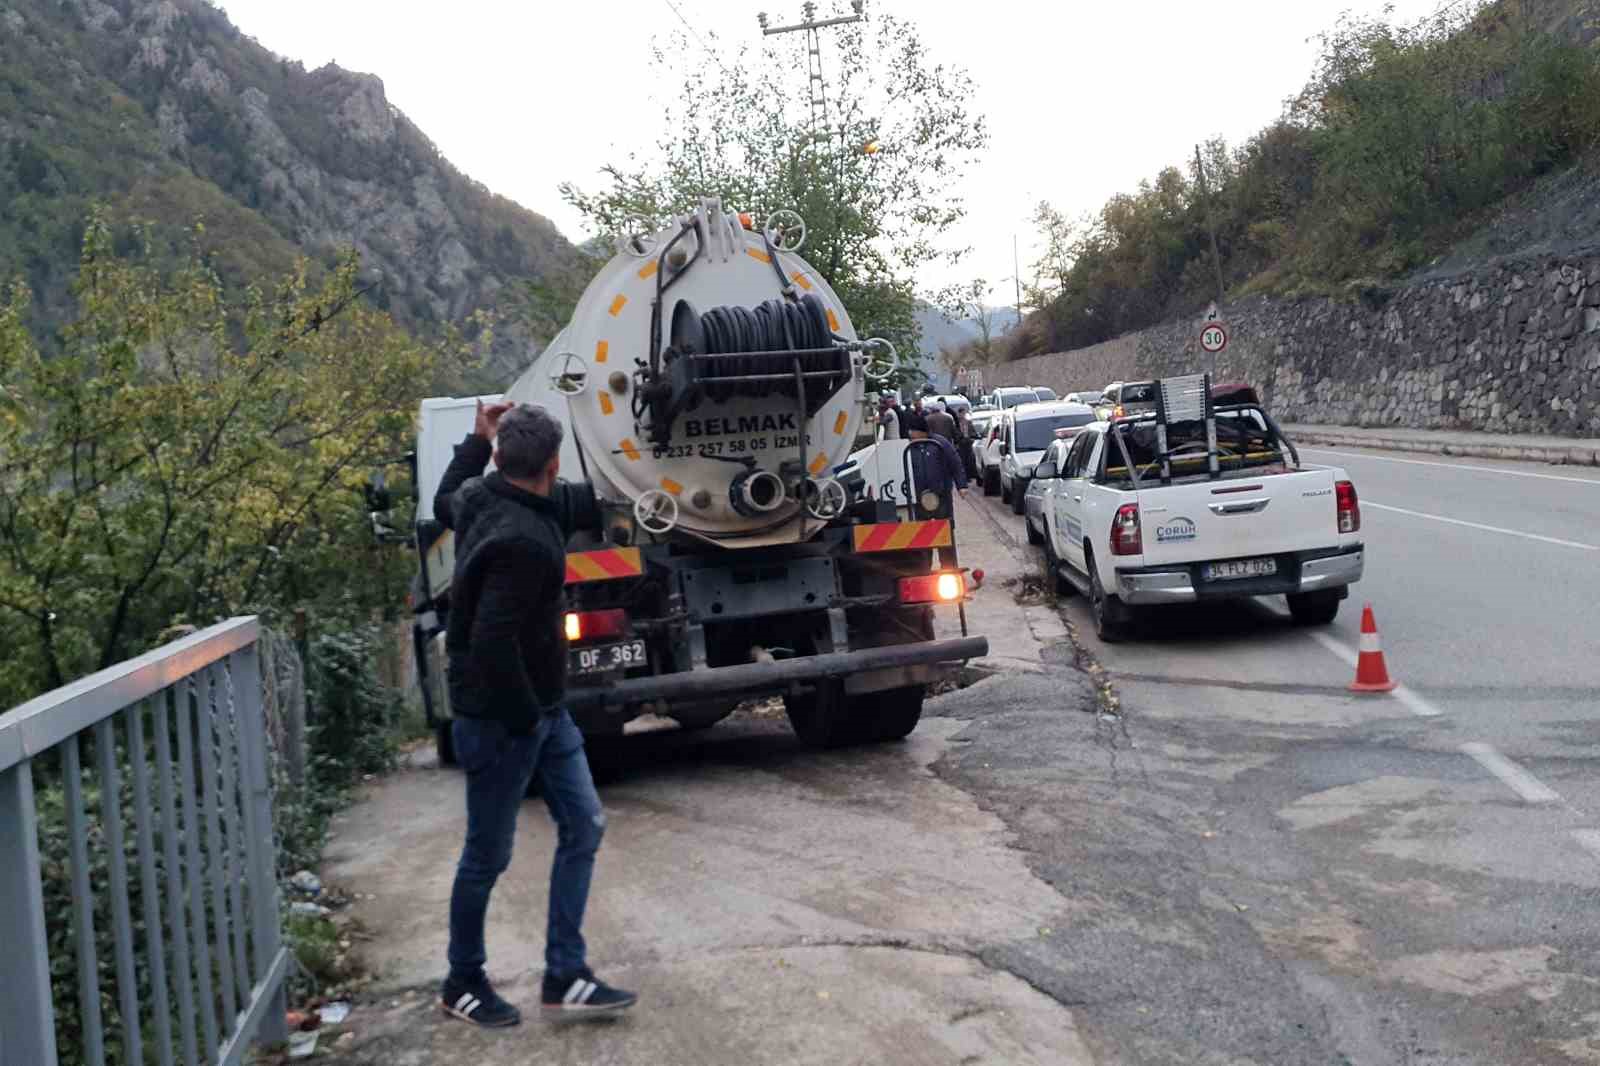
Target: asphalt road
{"points": [[1418, 870], [1196, 848]]}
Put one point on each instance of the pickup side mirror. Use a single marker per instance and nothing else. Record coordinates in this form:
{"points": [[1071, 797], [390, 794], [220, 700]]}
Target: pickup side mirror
{"points": [[1045, 472], [1005, 449]]}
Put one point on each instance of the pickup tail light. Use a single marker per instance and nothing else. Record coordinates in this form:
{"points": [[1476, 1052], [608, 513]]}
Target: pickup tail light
{"points": [[1349, 507], [1125, 536], [945, 587], [594, 625]]}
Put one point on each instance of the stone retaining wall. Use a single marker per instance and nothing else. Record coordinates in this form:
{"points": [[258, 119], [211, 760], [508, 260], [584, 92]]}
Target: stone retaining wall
{"points": [[1510, 347]]}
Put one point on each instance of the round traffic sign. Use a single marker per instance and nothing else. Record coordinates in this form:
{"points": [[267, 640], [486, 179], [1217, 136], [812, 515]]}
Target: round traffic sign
{"points": [[1214, 337]]}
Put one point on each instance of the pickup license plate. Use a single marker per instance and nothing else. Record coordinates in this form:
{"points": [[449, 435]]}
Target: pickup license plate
{"points": [[604, 658], [1239, 568]]}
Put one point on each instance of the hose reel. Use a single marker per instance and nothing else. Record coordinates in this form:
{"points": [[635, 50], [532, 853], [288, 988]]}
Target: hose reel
{"points": [[733, 352]]}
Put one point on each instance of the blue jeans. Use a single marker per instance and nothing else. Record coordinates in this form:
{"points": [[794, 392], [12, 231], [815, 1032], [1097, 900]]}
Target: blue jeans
{"points": [[498, 768]]}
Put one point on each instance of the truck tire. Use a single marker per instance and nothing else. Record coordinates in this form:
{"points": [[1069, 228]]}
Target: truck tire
{"points": [[1034, 536], [1005, 493], [1018, 490], [1111, 615], [444, 742], [1315, 608], [889, 716], [818, 717], [991, 481]]}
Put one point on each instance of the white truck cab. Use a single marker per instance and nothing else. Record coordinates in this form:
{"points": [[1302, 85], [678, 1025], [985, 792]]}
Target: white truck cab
{"points": [[1166, 507]]}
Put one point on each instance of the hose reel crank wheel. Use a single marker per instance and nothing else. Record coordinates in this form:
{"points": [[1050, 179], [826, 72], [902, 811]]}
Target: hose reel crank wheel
{"points": [[878, 343], [781, 228], [825, 498], [656, 512], [570, 376]]}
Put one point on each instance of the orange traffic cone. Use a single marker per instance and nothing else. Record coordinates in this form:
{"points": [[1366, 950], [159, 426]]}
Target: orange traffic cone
{"points": [[1372, 674]]}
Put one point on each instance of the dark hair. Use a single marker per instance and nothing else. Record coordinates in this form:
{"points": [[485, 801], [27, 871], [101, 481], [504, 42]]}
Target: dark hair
{"points": [[527, 439], [913, 422]]}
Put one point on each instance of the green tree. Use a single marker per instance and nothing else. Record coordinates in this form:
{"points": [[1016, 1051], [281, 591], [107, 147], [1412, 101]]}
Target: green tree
{"points": [[181, 458], [876, 184]]}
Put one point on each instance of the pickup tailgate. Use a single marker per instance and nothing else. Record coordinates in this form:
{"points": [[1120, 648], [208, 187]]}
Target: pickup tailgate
{"points": [[1238, 518]]}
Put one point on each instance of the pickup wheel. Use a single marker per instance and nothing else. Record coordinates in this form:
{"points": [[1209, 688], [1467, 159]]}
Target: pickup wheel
{"points": [[1111, 615], [991, 481], [1052, 568], [1034, 536], [1018, 491], [1315, 608]]}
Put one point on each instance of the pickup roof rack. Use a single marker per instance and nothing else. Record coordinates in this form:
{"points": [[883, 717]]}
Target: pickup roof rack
{"points": [[1186, 400]]}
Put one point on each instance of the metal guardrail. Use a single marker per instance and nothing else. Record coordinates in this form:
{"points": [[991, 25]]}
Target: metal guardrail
{"points": [[178, 742]]}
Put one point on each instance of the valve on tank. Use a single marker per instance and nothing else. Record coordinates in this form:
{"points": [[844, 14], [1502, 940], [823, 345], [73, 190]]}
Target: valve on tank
{"points": [[756, 492]]}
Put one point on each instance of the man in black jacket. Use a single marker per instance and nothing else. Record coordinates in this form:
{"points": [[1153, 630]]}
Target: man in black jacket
{"points": [[507, 660]]}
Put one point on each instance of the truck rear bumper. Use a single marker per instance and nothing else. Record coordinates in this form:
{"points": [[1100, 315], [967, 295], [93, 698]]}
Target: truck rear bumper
{"points": [[756, 678], [1297, 573]]}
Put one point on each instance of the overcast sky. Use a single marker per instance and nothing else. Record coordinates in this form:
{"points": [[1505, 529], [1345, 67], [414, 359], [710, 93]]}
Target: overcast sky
{"points": [[1084, 97]]}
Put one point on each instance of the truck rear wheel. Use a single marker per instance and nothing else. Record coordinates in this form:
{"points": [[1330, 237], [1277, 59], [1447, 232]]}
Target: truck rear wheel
{"points": [[889, 716], [818, 717], [444, 742]]}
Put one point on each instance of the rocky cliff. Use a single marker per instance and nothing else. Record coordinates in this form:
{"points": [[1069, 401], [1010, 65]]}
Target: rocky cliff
{"points": [[166, 111]]}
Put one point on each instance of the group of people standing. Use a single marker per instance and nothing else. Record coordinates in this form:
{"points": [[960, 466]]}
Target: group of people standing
{"points": [[947, 467]]}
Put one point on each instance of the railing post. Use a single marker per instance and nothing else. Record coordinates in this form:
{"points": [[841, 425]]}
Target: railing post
{"points": [[263, 874], [27, 1021]]}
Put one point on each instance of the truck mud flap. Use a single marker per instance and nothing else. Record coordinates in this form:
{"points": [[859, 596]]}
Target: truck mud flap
{"points": [[770, 677]]}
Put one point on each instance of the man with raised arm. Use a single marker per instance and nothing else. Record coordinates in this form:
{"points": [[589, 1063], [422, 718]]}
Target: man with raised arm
{"points": [[507, 673]]}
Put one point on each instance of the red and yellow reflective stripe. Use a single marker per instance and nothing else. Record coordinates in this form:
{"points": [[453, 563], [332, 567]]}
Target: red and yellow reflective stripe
{"points": [[902, 536], [607, 564]]}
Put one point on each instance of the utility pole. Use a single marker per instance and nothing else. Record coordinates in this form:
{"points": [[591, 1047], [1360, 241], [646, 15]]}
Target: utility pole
{"points": [[819, 90], [1211, 223], [1211, 226], [1016, 275]]}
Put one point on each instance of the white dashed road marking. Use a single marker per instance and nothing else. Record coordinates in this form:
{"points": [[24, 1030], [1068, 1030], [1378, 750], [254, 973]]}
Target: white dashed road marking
{"points": [[1406, 698], [1487, 529], [1457, 466], [1514, 777]]}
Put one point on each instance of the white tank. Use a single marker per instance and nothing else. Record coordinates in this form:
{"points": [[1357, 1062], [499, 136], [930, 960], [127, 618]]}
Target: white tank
{"points": [[731, 465]]}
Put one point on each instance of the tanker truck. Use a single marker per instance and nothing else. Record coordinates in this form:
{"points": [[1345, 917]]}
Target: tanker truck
{"points": [[711, 382]]}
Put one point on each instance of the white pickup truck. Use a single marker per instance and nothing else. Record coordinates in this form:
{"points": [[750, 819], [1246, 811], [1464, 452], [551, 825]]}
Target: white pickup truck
{"points": [[1165, 508]]}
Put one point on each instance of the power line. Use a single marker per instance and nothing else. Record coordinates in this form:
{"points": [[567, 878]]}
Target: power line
{"points": [[695, 33]]}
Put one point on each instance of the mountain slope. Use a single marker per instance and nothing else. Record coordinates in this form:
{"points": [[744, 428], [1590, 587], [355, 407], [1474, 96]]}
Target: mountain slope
{"points": [[165, 111]]}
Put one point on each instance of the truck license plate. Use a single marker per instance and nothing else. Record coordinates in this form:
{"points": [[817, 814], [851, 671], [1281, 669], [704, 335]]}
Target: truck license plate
{"points": [[604, 658], [1238, 568]]}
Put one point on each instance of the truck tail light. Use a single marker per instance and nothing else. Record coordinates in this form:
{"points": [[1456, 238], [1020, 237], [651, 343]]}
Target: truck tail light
{"points": [[1349, 507], [946, 587], [594, 625], [1125, 536]]}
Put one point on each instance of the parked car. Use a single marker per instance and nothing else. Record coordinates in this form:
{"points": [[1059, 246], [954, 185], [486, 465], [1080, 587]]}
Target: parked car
{"points": [[1026, 432], [1005, 398], [1044, 393], [1131, 398], [1093, 399], [1131, 527], [1046, 473]]}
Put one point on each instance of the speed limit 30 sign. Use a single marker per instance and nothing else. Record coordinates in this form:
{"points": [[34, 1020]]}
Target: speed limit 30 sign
{"points": [[1214, 337]]}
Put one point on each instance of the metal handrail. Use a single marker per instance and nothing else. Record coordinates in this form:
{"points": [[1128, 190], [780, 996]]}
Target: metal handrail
{"points": [[212, 877], [31, 728]]}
